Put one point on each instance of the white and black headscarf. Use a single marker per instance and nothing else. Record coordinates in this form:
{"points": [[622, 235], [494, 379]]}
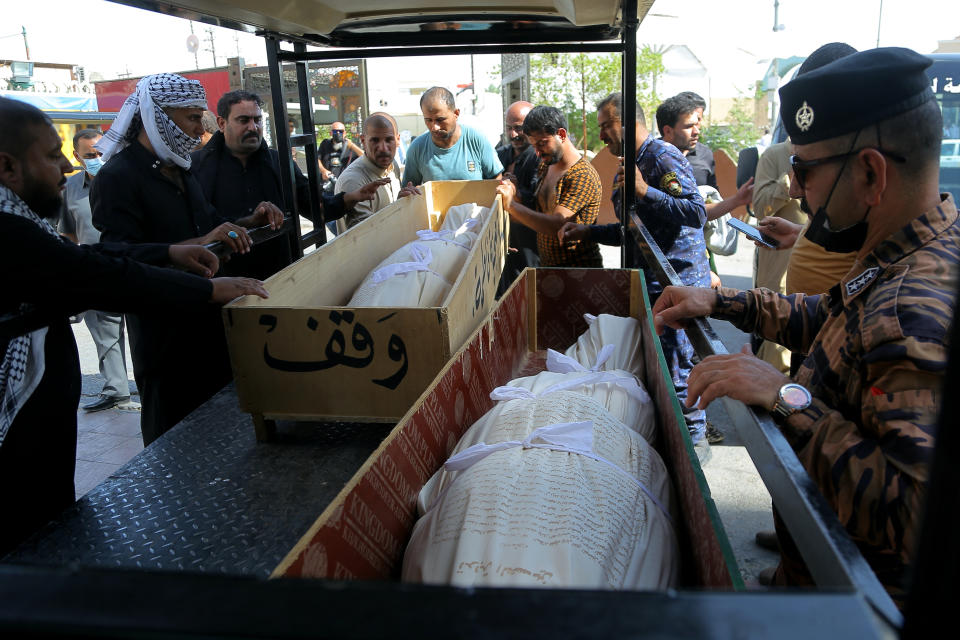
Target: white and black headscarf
{"points": [[22, 366], [145, 105]]}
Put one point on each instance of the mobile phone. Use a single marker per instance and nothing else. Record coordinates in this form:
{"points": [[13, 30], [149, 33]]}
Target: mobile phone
{"points": [[753, 233]]}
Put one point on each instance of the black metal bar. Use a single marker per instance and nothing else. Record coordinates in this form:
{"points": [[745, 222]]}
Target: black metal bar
{"points": [[39, 602], [452, 50], [302, 139], [318, 236], [310, 150], [832, 557], [287, 177], [628, 117]]}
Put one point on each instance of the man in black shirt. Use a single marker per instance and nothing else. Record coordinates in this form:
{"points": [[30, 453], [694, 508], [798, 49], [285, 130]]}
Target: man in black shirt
{"points": [[520, 163], [240, 176], [52, 279], [336, 152], [147, 193]]}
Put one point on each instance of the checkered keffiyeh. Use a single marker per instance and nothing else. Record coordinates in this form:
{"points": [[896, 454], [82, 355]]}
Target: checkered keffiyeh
{"points": [[146, 105], [22, 366]]}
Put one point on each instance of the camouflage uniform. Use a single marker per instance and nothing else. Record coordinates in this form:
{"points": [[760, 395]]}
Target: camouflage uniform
{"points": [[877, 355]]}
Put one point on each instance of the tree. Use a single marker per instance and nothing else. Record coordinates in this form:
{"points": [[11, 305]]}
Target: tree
{"points": [[574, 83], [739, 131]]}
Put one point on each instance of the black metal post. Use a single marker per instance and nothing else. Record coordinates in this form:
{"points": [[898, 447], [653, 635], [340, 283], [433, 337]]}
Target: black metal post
{"points": [[629, 117], [319, 234], [287, 179]]}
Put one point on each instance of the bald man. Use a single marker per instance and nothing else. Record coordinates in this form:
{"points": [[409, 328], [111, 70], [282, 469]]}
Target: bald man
{"points": [[336, 152], [520, 163], [379, 141]]}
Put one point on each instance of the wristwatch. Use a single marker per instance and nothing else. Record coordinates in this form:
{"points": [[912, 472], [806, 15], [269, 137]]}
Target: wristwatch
{"points": [[791, 398]]}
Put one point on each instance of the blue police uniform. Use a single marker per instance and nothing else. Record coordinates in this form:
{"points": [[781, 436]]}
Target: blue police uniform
{"points": [[674, 213]]}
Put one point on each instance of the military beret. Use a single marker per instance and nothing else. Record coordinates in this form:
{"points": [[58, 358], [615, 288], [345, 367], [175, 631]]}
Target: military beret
{"points": [[855, 91]]}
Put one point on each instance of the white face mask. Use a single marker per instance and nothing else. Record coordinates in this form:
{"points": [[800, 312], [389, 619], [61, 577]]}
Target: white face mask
{"points": [[93, 165]]}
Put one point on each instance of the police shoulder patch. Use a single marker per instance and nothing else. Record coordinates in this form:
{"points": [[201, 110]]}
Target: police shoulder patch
{"points": [[857, 284], [671, 184]]}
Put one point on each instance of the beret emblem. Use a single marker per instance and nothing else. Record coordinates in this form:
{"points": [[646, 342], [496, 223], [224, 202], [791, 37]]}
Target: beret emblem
{"points": [[804, 116]]}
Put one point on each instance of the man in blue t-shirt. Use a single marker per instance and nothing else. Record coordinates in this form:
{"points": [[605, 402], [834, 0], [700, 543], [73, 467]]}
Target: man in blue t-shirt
{"points": [[449, 150]]}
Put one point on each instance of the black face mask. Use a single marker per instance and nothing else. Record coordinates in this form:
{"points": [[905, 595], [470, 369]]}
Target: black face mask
{"points": [[843, 241], [337, 135]]}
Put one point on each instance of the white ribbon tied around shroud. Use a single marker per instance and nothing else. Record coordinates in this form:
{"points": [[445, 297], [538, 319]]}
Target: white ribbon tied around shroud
{"points": [[560, 363], [568, 437], [446, 236], [422, 257], [626, 382]]}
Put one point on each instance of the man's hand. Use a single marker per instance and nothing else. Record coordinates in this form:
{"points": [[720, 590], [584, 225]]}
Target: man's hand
{"points": [[234, 236], [194, 258], [744, 194], [641, 183], [364, 193], [715, 282], [409, 190], [508, 192], [783, 231], [571, 232], [676, 304], [265, 213], [741, 376], [226, 289]]}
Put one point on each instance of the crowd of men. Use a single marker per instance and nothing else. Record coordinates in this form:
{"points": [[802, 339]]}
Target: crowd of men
{"points": [[864, 320]]}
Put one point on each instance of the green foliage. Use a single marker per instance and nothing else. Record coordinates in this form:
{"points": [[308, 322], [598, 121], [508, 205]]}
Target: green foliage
{"points": [[738, 132], [574, 83]]}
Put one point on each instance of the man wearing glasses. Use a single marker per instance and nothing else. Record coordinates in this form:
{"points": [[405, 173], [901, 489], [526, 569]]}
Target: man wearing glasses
{"points": [[861, 411]]}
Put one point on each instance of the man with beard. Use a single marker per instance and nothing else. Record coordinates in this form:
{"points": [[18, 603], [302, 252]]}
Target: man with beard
{"points": [[520, 164], [379, 141], [568, 189], [240, 177], [679, 120], [147, 193], [49, 278], [671, 208], [448, 150], [336, 153], [861, 412]]}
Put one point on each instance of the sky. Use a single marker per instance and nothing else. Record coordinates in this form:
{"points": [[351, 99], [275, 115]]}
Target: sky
{"points": [[114, 39]]}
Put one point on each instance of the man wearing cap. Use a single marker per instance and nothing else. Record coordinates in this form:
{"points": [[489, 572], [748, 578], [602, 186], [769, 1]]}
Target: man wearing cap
{"points": [[146, 193], [861, 412]]}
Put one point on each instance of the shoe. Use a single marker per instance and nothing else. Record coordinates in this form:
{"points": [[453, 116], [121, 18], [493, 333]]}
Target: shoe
{"points": [[765, 577], [104, 402], [767, 540], [704, 453], [714, 435]]}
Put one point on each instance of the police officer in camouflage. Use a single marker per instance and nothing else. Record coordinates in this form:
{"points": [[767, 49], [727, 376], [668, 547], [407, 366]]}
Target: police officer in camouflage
{"points": [[861, 412]]}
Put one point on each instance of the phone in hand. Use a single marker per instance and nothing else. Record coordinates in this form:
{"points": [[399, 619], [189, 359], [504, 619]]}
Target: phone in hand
{"points": [[753, 233]]}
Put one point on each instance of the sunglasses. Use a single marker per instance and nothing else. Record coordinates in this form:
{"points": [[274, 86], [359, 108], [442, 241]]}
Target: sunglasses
{"points": [[801, 167]]}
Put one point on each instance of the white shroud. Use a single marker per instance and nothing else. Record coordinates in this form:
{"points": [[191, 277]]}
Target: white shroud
{"points": [[618, 392], [625, 333], [458, 214], [591, 513], [405, 279]]}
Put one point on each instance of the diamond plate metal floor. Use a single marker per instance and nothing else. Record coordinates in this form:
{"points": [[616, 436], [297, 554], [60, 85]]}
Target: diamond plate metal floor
{"points": [[207, 497]]}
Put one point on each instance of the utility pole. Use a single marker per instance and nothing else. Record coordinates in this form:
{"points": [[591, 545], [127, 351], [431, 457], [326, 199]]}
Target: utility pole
{"points": [[213, 48], [196, 61], [879, 20], [26, 47]]}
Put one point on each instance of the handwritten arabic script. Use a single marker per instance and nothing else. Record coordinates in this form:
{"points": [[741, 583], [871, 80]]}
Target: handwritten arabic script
{"points": [[359, 356]]}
